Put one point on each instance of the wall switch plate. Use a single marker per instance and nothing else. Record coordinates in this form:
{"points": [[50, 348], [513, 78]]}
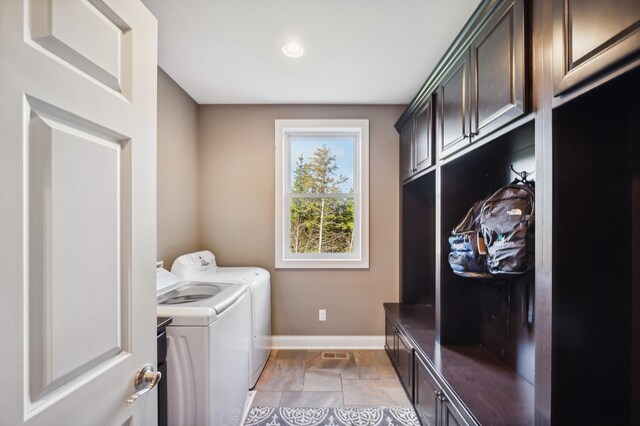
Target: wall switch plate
{"points": [[322, 315]]}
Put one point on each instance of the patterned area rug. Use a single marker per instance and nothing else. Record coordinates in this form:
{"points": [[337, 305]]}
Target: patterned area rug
{"points": [[284, 416]]}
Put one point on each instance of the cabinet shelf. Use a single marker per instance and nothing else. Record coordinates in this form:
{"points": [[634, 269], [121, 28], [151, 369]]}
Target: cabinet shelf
{"points": [[499, 137]]}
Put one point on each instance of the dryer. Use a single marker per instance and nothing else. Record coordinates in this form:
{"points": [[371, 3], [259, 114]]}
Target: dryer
{"points": [[201, 266], [207, 350]]}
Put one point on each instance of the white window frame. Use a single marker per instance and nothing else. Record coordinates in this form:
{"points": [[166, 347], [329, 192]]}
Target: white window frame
{"points": [[359, 259]]}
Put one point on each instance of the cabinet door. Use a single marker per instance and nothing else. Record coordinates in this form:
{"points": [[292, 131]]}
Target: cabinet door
{"points": [[498, 71], [389, 339], [406, 146], [426, 392], [453, 105], [450, 414], [405, 364], [591, 35], [423, 142]]}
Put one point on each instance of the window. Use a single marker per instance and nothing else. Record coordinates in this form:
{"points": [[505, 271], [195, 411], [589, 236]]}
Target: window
{"points": [[322, 193]]}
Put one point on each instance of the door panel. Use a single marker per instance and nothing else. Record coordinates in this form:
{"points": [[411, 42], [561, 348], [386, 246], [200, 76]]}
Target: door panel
{"points": [[77, 177], [492, 56], [389, 340], [405, 364], [590, 36], [87, 35], [453, 102], [406, 150], [451, 417], [426, 394], [498, 81], [75, 186], [423, 143], [587, 16]]}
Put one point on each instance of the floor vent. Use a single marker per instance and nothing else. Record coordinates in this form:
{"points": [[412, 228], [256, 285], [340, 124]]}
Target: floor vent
{"points": [[335, 355]]}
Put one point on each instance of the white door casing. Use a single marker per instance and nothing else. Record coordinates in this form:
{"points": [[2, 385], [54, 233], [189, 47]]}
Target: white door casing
{"points": [[77, 210]]}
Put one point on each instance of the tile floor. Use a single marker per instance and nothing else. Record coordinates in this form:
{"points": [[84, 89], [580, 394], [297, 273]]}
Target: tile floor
{"points": [[314, 378]]}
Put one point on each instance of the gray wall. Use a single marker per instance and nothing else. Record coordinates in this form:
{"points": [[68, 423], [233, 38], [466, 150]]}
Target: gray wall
{"points": [[237, 172], [178, 227]]}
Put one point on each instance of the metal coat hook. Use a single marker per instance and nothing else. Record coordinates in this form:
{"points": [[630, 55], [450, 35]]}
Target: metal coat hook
{"points": [[523, 175]]}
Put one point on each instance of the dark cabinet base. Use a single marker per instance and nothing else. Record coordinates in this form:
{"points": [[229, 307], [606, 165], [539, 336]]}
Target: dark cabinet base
{"points": [[468, 385]]}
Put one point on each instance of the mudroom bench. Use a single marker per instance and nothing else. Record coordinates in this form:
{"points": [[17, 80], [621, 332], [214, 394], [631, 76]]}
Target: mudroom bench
{"points": [[452, 384]]}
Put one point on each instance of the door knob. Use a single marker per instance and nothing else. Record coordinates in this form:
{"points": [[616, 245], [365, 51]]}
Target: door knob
{"points": [[146, 379]]}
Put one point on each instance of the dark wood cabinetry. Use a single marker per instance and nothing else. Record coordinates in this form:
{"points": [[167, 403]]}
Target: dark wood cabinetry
{"points": [[405, 363], [427, 391], [418, 240], [453, 108], [450, 418], [423, 143], [416, 146], [433, 406], [498, 71], [469, 386], [590, 36], [559, 345], [485, 88], [593, 288], [406, 150], [400, 353], [390, 339]]}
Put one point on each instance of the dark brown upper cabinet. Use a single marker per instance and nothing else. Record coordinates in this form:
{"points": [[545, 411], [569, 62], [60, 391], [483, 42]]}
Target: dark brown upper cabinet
{"points": [[453, 108], [589, 36], [498, 74], [485, 89], [406, 149], [423, 143], [416, 142]]}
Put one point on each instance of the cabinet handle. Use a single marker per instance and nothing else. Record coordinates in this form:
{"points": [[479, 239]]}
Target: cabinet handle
{"points": [[440, 395]]}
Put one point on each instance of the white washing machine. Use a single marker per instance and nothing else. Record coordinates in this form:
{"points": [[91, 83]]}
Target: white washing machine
{"points": [[201, 266], [207, 350]]}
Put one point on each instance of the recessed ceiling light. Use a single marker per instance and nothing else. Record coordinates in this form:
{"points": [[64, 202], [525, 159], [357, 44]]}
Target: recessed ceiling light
{"points": [[293, 50]]}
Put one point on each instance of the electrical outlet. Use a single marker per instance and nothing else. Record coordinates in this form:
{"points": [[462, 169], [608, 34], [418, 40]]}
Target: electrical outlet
{"points": [[322, 315]]}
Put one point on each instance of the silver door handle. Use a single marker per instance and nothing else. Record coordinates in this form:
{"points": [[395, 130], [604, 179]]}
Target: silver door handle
{"points": [[146, 379]]}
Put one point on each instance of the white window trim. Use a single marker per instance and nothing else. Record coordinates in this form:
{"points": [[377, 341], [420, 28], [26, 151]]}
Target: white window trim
{"points": [[284, 259]]}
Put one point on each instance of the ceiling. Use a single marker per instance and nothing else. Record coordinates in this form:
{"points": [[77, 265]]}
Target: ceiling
{"points": [[356, 51]]}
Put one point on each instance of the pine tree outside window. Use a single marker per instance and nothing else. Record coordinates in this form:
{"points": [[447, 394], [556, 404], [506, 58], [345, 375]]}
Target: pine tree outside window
{"points": [[322, 189]]}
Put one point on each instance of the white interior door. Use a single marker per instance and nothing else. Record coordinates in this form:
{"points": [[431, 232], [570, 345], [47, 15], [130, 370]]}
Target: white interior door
{"points": [[77, 210]]}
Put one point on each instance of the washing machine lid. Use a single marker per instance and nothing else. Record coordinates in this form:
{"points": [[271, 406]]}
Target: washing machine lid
{"points": [[165, 281], [242, 274], [198, 304]]}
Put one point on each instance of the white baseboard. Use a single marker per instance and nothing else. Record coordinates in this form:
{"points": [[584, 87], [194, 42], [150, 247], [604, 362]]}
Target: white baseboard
{"points": [[327, 342]]}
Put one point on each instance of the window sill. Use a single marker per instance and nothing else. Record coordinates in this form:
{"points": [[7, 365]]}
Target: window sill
{"points": [[322, 264]]}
